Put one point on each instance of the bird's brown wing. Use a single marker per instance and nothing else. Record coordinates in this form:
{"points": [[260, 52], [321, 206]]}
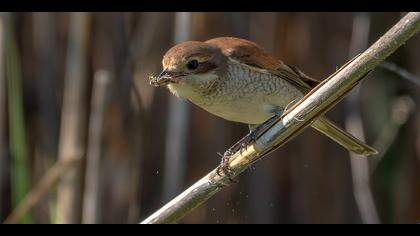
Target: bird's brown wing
{"points": [[253, 55]]}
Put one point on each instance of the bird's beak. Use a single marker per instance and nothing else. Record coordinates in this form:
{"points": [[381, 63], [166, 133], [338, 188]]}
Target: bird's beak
{"points": [[166, 77]]}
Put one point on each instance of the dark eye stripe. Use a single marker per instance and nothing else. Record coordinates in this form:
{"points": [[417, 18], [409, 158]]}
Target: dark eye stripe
{"points": [[205, 67]]}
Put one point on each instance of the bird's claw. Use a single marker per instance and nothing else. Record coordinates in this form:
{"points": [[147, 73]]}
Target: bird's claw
{"points": [[224, 166]]}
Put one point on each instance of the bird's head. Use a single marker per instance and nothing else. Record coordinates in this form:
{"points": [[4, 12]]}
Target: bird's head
{"points": [[191, 67]]}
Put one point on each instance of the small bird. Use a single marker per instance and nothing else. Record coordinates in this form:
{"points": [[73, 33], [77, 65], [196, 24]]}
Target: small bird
{"points": [[238, 80]]}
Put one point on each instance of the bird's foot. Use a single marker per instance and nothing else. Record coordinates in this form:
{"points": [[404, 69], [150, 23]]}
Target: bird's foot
{"points": [[241, 146], [224, 166]]}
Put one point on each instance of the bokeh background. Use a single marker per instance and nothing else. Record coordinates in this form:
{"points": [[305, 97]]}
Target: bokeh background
{"points": [[84, 132]]}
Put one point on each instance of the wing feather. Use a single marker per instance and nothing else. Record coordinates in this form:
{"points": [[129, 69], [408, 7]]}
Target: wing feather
{"points": [[251, 54]]}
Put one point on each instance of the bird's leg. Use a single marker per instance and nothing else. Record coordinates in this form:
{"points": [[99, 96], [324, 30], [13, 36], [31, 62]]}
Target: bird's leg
{"points": [[255, 131], [251, 137]]}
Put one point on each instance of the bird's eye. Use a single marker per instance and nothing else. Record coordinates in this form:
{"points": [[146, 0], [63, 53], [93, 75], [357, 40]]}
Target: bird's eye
{"points": [[192, 65]]}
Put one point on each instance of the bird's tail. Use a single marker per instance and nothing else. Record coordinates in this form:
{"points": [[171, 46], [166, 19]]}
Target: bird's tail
{"points": [[342, 137]]}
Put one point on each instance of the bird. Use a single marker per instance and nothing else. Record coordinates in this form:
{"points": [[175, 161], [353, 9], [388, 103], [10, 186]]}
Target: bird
{"points": [[239, 81]]}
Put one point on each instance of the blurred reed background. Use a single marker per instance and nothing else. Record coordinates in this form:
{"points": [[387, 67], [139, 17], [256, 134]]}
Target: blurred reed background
{"points": [[92, 149]]}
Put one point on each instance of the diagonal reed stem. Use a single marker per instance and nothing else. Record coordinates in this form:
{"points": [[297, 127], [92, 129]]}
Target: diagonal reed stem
{"points": [[317, 102]]}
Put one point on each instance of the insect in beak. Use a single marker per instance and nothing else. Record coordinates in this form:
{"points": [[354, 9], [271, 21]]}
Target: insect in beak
{"points": [[166, 77]]}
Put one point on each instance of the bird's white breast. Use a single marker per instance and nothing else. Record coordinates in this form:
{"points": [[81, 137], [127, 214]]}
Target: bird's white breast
{"points": [[246, 95]]}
